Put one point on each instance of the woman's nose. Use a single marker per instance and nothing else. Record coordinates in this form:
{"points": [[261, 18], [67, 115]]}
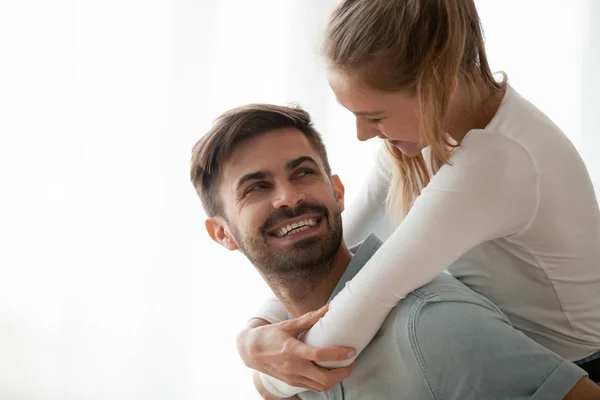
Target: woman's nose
{"points": [[365, 133]]}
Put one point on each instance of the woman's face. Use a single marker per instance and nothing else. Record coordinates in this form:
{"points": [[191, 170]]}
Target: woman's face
{"points": [[392, 116]]}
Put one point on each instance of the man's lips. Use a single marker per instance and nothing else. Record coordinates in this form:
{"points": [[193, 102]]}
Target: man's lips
{"points": [[289, 224]]}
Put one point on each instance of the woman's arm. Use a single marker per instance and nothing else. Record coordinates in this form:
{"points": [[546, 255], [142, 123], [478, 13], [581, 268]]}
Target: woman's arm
{"points": [[489, 191], [366, 213]]}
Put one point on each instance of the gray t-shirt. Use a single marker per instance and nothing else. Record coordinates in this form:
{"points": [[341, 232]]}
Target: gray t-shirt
{"points": [[444, 341]]}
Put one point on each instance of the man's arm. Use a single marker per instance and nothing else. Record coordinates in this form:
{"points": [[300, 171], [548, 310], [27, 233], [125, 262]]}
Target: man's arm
{"points": [[264, 392], [469, 350]]}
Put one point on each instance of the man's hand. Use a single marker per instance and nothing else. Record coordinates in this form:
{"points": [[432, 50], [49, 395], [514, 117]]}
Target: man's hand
{"points": [[264, 392], [275, 350], [585, 389]]}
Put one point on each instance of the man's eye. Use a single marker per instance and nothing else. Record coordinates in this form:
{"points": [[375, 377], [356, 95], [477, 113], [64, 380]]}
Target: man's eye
{"points": [[374, 120], [255, 187], [304, 172]]}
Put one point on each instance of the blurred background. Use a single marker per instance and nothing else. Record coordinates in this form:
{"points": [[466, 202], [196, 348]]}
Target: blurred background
{"points": [[109, 286]]}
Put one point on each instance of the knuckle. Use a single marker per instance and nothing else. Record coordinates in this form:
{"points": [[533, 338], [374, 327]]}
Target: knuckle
{"points": [[288, 346], [329, 382], [289, 369], [289, 380], [323, 379], [319, 355], [310, 315], [286, 368]]}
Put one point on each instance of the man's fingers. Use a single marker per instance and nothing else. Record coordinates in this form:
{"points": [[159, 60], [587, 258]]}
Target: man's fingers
{"points": [[327, 378], [336, 375], [307, 383], [323, 310], [323, 354], [303, 323]]}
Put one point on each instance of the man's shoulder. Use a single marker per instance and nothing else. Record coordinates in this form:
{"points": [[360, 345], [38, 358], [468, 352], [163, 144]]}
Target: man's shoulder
{"points": [[414, 334], [444, 289], [445, 295], [461, 344]]}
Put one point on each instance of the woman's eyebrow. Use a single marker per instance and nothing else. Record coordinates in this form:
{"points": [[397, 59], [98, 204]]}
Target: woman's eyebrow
{"points": [[367, 113]]}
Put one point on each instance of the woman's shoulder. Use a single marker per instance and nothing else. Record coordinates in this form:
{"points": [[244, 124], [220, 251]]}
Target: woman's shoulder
{"points": [[521, 123], [484, 167], [485, 147]]}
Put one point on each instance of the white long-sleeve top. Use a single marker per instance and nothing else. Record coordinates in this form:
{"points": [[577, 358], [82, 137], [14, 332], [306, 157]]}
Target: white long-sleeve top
{"points": [[513, 216]]}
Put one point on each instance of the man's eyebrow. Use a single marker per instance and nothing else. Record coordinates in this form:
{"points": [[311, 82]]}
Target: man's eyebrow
{"points": [[297, 161], [252, 176]]}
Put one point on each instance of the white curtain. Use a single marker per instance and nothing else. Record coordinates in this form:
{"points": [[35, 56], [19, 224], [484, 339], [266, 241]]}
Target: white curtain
{"points": [[109, 286]]}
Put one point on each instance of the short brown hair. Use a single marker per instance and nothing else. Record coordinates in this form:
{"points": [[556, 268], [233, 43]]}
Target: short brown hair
{"points": [[231, 128]]}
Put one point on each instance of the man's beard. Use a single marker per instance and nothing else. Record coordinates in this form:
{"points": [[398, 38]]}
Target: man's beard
{"points": [[308, 259]]}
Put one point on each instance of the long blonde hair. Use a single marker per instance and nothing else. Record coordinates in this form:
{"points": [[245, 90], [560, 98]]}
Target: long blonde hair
{"points": [[421, 47]]}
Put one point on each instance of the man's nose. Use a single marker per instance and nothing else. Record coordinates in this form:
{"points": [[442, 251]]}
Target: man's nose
{"points": [[287, 196]]}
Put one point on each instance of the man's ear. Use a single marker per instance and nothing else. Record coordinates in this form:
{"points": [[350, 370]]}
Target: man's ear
{"points": [[338, 190], [218, 231]]}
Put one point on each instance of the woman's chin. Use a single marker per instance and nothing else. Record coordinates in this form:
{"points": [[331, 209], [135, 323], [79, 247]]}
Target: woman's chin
{"points": [[407, 148]]}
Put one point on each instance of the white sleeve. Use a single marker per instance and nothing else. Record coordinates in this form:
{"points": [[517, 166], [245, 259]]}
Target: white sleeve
{"points": [[366, 212], [489, 191], [272, 310]]}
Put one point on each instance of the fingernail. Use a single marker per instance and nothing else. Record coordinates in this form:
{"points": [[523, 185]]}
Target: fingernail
{"points": [[351, 353]]}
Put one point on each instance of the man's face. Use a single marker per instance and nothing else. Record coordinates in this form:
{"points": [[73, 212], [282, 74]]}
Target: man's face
{"points": [[282, 210]]}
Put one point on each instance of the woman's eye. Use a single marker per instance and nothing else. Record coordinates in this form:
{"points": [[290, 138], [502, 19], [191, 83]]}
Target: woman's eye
{"points": [[374, 120]]}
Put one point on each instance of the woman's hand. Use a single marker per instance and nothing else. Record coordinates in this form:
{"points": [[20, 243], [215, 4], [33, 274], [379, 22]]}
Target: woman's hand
{"points": [[275, 350]]}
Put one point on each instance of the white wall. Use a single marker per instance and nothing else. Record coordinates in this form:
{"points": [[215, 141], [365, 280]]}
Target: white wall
{"points": [[589, 113], [109, 286]]}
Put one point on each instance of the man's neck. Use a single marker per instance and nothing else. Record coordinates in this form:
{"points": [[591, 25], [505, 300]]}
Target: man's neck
{"points": [[300, 296]]}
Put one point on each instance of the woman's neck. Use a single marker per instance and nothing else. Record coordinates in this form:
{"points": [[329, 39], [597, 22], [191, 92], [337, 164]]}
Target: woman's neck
{"points": [[471, 109]]}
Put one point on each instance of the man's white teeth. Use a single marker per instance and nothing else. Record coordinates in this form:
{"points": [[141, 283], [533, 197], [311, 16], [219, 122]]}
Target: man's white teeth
{"points": [[297, 226]]}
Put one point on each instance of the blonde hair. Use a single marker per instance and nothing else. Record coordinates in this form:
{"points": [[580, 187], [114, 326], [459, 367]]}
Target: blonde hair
{"points": [[418, 46]]}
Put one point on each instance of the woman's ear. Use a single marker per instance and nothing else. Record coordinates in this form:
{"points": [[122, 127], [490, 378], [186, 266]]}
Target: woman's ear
{"points": [[218, 231], [338, 190]]}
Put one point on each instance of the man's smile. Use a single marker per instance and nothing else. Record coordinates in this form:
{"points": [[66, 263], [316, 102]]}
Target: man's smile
{"points": [[297, 228]]}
